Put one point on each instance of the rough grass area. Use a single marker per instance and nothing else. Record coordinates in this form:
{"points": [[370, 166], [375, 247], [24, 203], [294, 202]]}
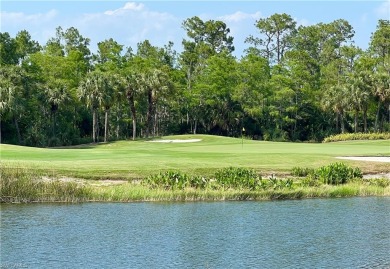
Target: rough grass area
{"points": [[138, 159], [24, 186]]}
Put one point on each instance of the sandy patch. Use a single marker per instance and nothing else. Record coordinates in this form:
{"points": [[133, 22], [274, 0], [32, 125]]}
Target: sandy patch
{"points": [[176, 141], [102, 182], [367, 159], [380, 175]]}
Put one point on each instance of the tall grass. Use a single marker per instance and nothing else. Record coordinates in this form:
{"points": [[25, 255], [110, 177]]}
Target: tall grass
{"points": [[22, 185], [129, 192]]}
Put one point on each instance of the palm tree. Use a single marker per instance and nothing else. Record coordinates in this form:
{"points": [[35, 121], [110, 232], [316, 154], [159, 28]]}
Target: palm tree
{"points": [[132, 84], [107, 98], [335, 99], [90, 90], [155, 82], [55, 94], [357, 96], [381, 89], [99, 90]]}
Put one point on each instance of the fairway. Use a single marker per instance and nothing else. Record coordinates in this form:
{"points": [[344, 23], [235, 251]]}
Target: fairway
{"points": [[137, 159]]}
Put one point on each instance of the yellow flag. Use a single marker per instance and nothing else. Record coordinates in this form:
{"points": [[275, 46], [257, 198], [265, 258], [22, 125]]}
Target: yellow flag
{"points": [[243, 129]]}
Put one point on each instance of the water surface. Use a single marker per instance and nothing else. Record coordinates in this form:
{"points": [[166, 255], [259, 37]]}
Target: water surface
{"points": [[317, 233]]}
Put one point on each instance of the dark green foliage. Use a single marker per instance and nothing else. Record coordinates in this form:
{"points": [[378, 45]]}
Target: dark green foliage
{"points": [[273, 90], [336, 173]]}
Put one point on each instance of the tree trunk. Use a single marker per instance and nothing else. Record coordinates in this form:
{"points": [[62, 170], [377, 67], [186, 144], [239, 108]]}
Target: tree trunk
{"points": [[356, 121], [130, 98], [342, 122], [149, 116], [195, 125], [365, 119], [106, 125], [94, 125], [377, 116], [17, 131], [155, 125], [54, 123], [117, 127]]}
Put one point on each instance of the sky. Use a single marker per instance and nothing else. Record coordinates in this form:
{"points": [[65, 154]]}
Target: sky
{"points": [[130, 22]]}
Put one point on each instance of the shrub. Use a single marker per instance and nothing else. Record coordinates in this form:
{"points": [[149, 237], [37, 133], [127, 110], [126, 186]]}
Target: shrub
{"points": [[310, 181], [336, 173], [168, 180], [301, 172], [237, 177], [357, 136], [279, 184]]}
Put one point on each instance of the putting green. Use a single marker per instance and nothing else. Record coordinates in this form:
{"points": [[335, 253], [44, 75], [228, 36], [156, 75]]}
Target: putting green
{"points": [[136, 159]]}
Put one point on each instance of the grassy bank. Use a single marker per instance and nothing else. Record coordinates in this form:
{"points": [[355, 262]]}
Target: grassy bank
{"points": [[47, 174], [138, 159], [24, 186]]}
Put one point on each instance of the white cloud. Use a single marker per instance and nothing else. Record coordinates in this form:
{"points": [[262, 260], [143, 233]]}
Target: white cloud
{"points": [[384, 10], [128, 6], [130, 24], [20, 18], [240, 16]]}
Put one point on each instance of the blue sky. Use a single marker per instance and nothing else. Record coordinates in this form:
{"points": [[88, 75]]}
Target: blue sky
{"points": [[130, 22]]}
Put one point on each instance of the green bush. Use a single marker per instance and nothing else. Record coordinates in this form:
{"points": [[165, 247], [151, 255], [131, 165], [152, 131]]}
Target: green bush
{"points": [[357, 136], [336, 173], [237, 177], [310, 181], [278, 184], [301, 172], [169, 180]]}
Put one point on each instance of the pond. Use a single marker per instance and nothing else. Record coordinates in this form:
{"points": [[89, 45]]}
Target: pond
{"points": [[313, 233]]}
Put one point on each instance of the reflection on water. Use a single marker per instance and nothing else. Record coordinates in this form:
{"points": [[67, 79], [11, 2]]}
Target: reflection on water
{"points": [[318, 233]]}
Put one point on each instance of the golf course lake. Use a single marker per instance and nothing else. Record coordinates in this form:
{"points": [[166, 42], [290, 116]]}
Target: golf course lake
{"points": [[312, 233]]}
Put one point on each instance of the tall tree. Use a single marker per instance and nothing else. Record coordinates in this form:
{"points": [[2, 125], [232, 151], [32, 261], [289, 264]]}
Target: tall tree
{"points": [[380, 39], [154, 83], [205, 39], [91, 89], [12, 100], [277, 32], [56, 94]]}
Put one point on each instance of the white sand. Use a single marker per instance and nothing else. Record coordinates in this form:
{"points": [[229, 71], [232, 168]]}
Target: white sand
{"points": [[367, 159], [176, 141]]}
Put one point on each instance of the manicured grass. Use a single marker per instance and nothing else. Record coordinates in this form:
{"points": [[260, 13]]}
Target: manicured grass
{"points": [[137, 159]]}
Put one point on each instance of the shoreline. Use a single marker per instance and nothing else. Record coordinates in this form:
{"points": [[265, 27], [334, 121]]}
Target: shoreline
{"points": [[134, 193]]}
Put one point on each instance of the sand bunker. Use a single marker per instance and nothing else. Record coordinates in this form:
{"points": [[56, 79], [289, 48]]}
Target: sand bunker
{"points": [[176, 141], [367, 159]]}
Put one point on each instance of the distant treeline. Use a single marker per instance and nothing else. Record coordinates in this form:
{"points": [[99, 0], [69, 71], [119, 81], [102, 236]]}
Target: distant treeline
{"points": [[292, 84]]}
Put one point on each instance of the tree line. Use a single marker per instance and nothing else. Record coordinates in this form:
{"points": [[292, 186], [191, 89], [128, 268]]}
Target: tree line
{"points": [[293, 83]]}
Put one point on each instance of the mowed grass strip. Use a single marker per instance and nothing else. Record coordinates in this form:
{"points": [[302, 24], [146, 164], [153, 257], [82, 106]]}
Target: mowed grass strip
{"points": [[138, 159]]}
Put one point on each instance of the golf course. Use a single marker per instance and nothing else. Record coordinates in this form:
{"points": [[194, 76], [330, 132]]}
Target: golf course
{"points": [[138, 159], [193, 167]]}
